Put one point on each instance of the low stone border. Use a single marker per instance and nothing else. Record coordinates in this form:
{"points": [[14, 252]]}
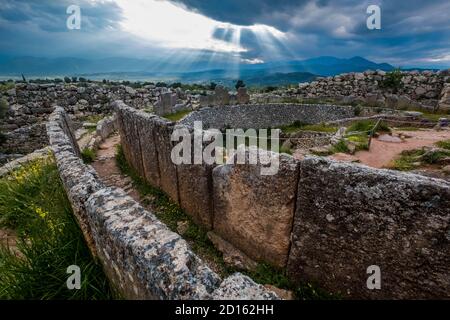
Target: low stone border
{"points": [[142, 258]]}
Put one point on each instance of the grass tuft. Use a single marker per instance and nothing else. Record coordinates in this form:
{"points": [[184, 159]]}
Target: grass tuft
{"points": [[177, 115], [33, 204], [88, 155]]}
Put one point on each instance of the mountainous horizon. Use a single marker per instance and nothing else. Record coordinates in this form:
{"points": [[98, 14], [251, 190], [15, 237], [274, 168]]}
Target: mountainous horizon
{"points": [[271, 73]]}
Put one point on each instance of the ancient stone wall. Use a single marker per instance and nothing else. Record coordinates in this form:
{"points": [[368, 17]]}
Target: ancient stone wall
{"points": [[142, 258], [326, 221], [265, 116], [418, 89], [29, 106]]}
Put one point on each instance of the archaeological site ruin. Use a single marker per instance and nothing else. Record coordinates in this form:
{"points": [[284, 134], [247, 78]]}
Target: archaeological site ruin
{"points": [[232, 159], [322, 219]]}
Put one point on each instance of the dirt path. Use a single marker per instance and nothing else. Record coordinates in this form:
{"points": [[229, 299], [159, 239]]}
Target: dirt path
{"points": [[381, 153], [105, 165]]}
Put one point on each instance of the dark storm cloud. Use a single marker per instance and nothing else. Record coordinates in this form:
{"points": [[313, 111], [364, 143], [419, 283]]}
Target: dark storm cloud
{"points": [[413, 32]]}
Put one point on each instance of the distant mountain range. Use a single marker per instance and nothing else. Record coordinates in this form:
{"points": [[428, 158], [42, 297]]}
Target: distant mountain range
{"points": [[271, 73]]}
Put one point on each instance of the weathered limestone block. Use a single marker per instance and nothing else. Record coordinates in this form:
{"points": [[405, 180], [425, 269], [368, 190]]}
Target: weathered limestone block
{"points": [[162, 131], [240, 287], [141, 255], [165, 103], [444, 103], [195, 188], [242, 96], [350, 217], [107, 126], [147, 141], [254, 212], [129, 136], [222, 97]]}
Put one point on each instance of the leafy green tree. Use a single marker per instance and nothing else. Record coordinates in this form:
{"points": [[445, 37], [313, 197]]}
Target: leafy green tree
{"points": [[393, 81], [212, 86], [239, 84]]}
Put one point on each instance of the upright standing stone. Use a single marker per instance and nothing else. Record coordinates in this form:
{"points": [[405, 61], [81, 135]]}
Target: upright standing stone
{"points": [[242, 96], [165, 104], [254, 212], [222, 97]]}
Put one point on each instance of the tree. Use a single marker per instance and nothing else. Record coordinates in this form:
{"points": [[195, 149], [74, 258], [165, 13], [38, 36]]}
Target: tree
{"points": [[393, 80], [67, 80], [212, 86], [239, 84]]}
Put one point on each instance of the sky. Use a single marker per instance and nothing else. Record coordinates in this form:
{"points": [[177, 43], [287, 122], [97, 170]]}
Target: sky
{"points": [[413, 32]]}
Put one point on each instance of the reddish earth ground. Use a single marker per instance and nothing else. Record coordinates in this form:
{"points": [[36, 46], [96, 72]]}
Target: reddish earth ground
{"points": [[381, 153], [105, 165]]}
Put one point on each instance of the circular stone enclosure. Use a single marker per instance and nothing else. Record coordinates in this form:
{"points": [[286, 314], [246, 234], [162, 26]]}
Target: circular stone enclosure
{"points": [[265, 116]]}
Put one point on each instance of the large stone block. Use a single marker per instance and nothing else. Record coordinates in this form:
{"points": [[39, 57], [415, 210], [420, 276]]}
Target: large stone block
{"points": [[162, 131], [350, 217], [148, 143], [195, 189], [129, 136], [254, 212]]}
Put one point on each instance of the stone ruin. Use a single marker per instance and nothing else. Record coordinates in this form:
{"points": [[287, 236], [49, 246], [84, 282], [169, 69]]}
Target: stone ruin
{"points": [[221, 97], [323, 221]]}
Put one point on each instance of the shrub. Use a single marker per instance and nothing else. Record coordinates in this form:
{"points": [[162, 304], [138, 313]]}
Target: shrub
{"points": [[88, 155], [444, 144], [341, 147], [239, 84], [392, 80], [357, 110], [367, 126], [433, 157]]}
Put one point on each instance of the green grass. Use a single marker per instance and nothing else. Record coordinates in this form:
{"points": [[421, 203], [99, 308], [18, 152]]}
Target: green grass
{"points": [[33, 204], [444, 144], [93, 118], [178, 115], [6, 86], [285, 150], [340, 147], [409, 128], [267, 274], [88, 155], [362, 141], [413, 159], [408, 160], [368, 125], [300, 126], [170, 214]]}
